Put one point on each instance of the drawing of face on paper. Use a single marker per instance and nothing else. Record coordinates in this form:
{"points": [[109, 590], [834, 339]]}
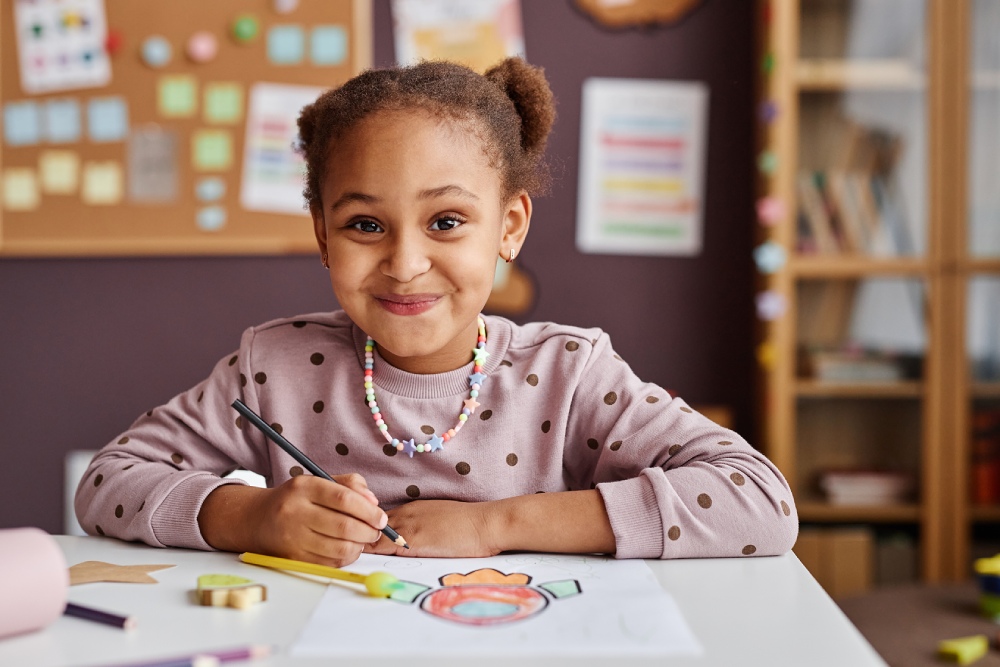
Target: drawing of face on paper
{"points": [[485, 597]]}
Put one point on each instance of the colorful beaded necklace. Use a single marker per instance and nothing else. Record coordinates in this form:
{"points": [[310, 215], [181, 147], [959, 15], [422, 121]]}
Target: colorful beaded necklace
{"points": [[476, 380]]}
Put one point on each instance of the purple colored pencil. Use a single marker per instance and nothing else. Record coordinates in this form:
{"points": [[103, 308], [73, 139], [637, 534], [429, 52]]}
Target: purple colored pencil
{"points": [[98, 616], [208, 658]]}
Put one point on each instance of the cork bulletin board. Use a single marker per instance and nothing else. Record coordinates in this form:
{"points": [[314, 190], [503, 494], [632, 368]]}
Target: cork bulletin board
{"points": [[163, 128]]}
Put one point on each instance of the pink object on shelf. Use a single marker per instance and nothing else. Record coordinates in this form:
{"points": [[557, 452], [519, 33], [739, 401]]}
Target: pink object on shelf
{"points": [[34, 580], [866, 487]]}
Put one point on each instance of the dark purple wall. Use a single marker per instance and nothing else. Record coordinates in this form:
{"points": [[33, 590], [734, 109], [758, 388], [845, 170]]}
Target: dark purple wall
{"points": [[86, 345]]}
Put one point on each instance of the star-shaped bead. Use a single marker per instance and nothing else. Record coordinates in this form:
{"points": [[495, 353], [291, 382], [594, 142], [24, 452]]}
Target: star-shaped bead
{"points": [[479, 354], [435, 443], [477, 378], [409, 447], [472, 404]]}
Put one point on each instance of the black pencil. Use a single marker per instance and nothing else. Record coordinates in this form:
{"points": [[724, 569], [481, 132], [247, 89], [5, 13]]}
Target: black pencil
{"points": [[79, 611], [306, 462]]}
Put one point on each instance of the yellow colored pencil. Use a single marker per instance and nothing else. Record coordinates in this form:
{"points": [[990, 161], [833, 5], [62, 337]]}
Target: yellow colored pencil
{"points": [[378, 584]]}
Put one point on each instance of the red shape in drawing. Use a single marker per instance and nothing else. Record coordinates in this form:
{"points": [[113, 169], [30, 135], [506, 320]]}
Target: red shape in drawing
{"points": [[484, 604]]}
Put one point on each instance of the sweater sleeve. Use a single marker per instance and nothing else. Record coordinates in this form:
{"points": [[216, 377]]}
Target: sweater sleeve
{"points": [[148, 483], [675, 484]]}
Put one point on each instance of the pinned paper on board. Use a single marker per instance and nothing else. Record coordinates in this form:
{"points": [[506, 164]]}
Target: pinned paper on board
{"points": [[272, 171], [212, 150], [286, 44], [107, 119], [20, 189], [642, 164], [60, 172], [504, 606], [21, 124], [60, 44], [476, 34], [62, 120], [177, 96], [152, 165], [102, 183], [328, 45], [223, 102]]}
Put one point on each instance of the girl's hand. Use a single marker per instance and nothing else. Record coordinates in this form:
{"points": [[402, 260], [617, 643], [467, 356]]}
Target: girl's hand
{"points": [[306, 518], [442, 529]]}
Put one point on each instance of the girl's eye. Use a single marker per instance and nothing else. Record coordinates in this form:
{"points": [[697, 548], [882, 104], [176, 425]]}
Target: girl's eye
{"points": [[446, 224], [367, 226]]}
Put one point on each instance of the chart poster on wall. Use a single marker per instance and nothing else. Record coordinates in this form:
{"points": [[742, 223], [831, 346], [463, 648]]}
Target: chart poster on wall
{"points": [[642, 165], [477, 34], [164, 128]]}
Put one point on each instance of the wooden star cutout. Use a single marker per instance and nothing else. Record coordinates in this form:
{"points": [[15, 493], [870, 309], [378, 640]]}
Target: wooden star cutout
{"points": [[92, 571]]}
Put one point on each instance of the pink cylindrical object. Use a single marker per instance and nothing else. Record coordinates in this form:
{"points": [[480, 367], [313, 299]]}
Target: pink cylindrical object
{"points": [[34, 580]]}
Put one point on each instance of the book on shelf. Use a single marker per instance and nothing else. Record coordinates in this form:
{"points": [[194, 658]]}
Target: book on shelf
{"points": [[855, 365], [867, 487], [984, 470]]}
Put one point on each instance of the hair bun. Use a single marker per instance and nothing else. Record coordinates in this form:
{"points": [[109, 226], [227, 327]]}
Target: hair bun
{"points": [[528, 89]]}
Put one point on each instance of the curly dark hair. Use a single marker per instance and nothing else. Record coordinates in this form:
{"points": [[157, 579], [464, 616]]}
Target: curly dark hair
{"points": [[510, 108]]}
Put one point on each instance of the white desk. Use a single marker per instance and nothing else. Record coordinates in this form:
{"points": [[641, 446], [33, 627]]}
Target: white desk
{"points": [[744, 611]]}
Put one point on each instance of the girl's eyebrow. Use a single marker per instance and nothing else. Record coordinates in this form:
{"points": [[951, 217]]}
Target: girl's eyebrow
{"points": [[433, 193]]}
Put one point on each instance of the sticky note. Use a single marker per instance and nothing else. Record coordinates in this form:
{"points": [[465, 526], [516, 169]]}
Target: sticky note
{"points": [[211, 150], [102, 183], [21, 125], [328, 45], [20, 189], [285, 44], [211, 218], [223, 102], [107, 119], [62, 120], [211, 188], [59, 171], [152, 165], [177, 96]]}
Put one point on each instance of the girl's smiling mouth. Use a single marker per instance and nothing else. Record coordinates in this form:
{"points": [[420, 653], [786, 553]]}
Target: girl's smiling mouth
{"points": [[407, 304]]}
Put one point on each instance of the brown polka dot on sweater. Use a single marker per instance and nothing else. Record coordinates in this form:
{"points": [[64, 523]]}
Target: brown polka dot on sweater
{"points": [[532, 380], [149, 414], [232, 359], [123, 441], [98, 480], [316, 358], [119, 511], [298, 324], [705, 500], [177, 458], [652, 399], [592, 443], [100, 531], [674, 449], [785, 508], [749, 549], [463, 468], [277, 427], [684, 409], [674, 532], [295, 471], [725, 442], [616, 445], [413, 491], [428, 430], [610, 398], [546, 425], [485, 414], [260, 378], [512, 459], [318, 407], [389, 450], [572, 346], [342, 449], [243, 380], [738, 479], [239, 422]]}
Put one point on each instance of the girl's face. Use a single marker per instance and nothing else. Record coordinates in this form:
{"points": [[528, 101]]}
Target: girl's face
{"points": [[413, 224]]}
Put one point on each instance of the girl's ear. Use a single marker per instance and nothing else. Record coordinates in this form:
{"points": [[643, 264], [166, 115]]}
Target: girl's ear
{"points": [[515, 225], [319, 227]]}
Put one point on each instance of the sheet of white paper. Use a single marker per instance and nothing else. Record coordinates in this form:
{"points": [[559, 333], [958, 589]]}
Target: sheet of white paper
{"points": [[273, 172], [642, 165], [60, 44], [614, 608]]}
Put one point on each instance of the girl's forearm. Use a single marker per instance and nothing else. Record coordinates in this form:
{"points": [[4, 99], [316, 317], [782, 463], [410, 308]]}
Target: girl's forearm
{"points": [[562, 522]]}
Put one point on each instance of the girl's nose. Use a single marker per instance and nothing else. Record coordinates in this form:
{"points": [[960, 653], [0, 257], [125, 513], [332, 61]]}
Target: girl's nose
{"points": [[406, 258]]}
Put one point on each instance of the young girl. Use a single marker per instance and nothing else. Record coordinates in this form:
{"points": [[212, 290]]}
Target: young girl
{"points": [[467, 434]]}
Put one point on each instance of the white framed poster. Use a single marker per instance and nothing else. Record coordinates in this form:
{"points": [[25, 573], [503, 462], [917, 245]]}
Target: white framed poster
{"points": [[642, 167]]}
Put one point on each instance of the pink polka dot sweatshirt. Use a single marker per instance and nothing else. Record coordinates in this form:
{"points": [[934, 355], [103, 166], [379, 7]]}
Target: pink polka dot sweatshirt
{"points": [[559, 410]]}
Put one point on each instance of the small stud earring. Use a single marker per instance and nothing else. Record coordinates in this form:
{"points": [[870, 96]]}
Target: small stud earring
{"points": [[326, 261], [511, 258]]}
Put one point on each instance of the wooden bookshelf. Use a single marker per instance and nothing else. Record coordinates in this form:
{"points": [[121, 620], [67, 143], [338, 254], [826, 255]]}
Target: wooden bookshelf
{"points": [[920, 425]]}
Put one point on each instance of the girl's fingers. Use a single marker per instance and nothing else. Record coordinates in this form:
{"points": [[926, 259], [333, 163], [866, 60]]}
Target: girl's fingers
{"points": [[345, 500], [358, 483]]}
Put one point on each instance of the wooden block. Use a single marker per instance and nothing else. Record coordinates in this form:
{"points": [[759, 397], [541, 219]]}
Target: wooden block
{"points": [[226, 590]]}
